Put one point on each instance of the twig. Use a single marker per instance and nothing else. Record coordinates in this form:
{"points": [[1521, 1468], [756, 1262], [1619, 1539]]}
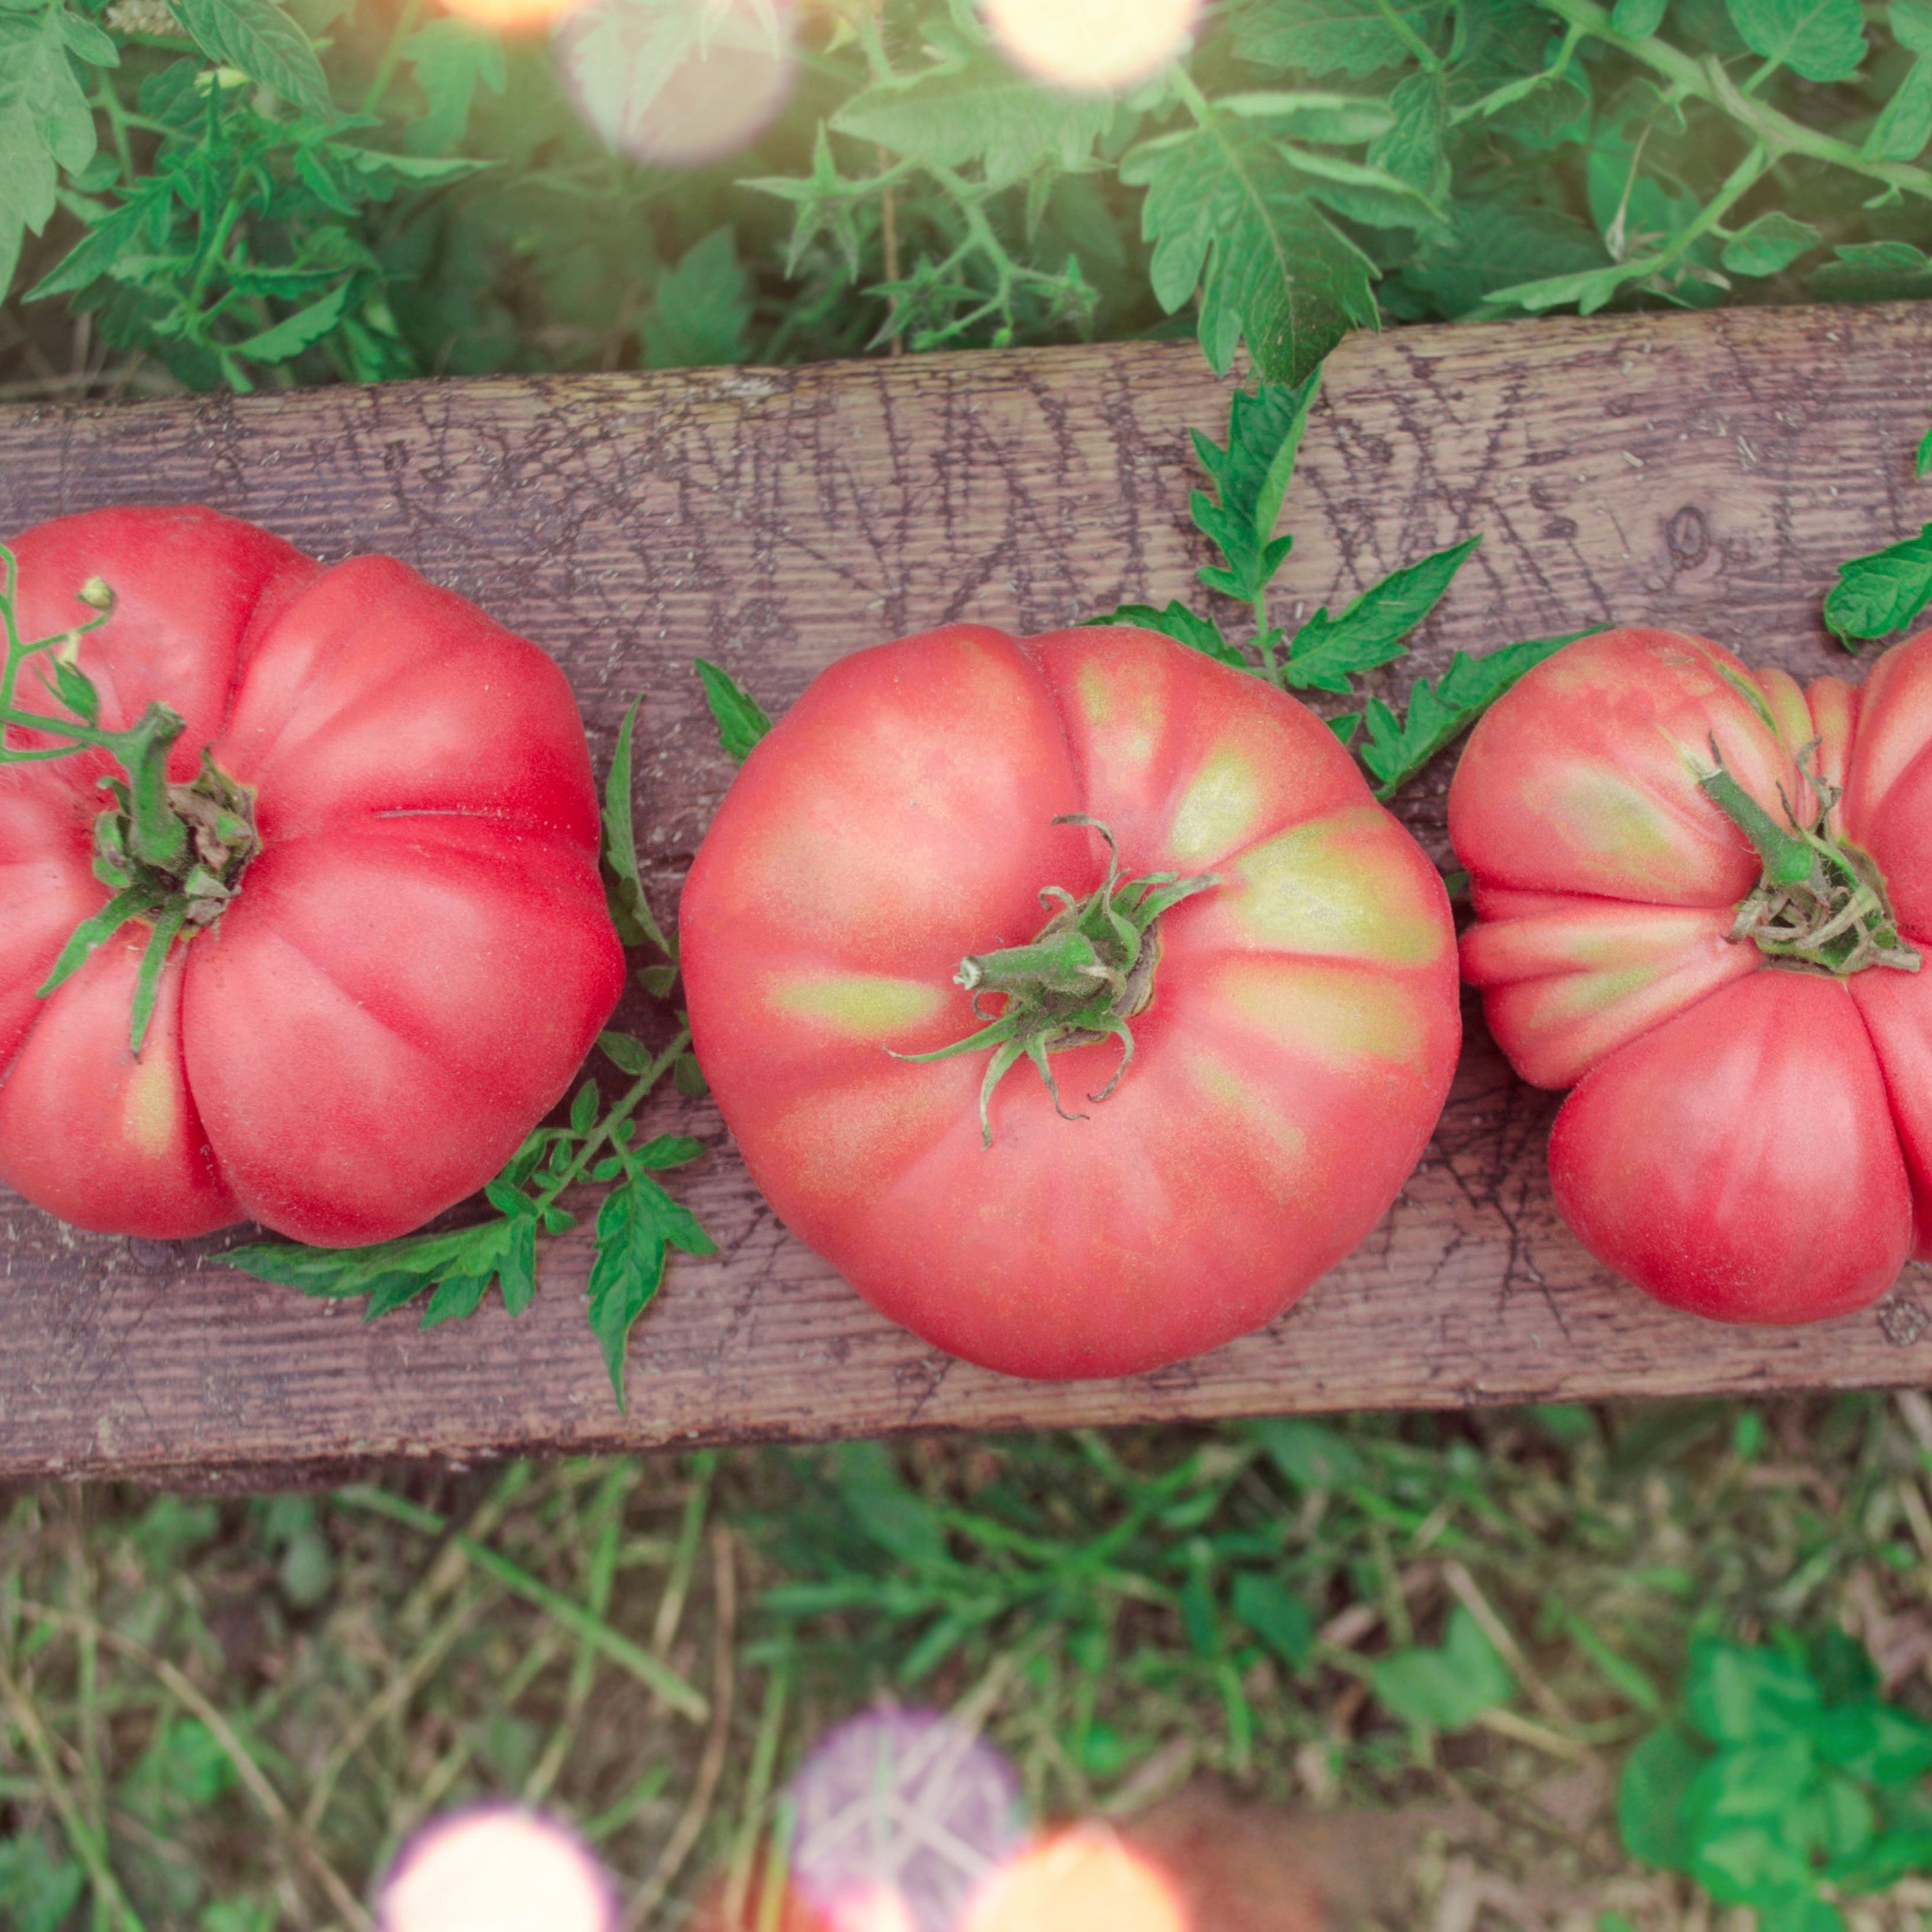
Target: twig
{"points": [[711, 1766], [1463, 1587]]}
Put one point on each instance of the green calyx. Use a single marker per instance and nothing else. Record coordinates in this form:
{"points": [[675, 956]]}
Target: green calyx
{"points": [[1087, 972], [172, 855], [1820, 905]]}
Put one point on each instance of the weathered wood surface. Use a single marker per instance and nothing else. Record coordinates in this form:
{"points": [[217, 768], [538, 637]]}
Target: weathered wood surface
{"points": [[1706, 472]]}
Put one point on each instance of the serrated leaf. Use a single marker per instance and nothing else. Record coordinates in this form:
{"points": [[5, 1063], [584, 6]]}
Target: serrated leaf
{"points": [[290, 336], [1326, 651], [1398, 748], [1319, 37], [668, 1150], [1177, 622], [1251, 476], [1412, 149], [46, 123], [258, 37], [1492, 246], [982, 112], [658, 980], [1229, 215], [1883, 593], [1772, 242], [701, 312], [454, 1298], [84, 39], [637, 1223], [392, 1274], [1822, 40], [740, 723], [583, 1107], [623, 887]]}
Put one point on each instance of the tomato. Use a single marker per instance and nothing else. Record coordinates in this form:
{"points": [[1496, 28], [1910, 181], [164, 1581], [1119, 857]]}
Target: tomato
{"points": [[415, 957], [1290, 1051], [1750, 1043]]}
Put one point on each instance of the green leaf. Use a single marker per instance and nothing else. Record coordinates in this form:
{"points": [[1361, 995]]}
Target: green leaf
{"points": [[1310, 1455], [1326, 651], [636, 1224], [258, 37], [583, 1107], [623, 887], [1177, 622], [1911, 24], [630, 1056], [1740, 1693], [132, 904], [39, 1891], [1883, 593], [46, 123], [1904, 124], [1875, 271], [701, 313], [1229, 215], [1874, 1742], [1772, 242], [1251, 476], [1398, 748], [1413, 150], [290, 336], [451, 59], [1279, 1618], [1637, 19], [1493, 246], [740, 723], [1822, 40], [389, 1274], [1352, 37], [1446, 1689], [1344, 119], [979, 112], [1922, 462], [1653, 1796]]}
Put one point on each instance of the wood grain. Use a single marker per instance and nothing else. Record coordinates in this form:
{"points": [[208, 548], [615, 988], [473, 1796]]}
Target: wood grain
{"points": [[1705, 472]]}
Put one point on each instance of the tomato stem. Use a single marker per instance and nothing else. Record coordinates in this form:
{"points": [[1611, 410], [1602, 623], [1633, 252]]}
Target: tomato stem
{"points": [[171, 854], [1819, 905], [1080, 979]]}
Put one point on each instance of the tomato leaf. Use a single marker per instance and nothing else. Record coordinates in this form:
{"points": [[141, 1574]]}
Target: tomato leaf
{"points": [[1251, 477], [124, 906], [623, 888], [257, 36], [1398, 748], [1177, 622], [631, 1056], [740, 723], [1446, 1689], [1326, 651], [637, 1226], [1883, 593]]}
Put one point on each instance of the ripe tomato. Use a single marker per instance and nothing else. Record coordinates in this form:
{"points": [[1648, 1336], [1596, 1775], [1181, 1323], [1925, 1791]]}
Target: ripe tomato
{"points": [[1727, 975], [416, 955], [1291, 1049]]}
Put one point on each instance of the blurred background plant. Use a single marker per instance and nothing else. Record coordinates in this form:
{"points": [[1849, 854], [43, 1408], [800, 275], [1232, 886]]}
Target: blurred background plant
{"points": [[1453, 1638], [232, 192]]}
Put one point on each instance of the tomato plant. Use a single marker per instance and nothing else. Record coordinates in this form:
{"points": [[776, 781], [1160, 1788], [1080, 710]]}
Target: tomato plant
{"points": [[1704, 896], [305, 918], [1230, 972]]}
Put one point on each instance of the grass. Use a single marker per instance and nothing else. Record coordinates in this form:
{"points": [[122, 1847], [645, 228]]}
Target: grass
{"points": [[227, 1715]]}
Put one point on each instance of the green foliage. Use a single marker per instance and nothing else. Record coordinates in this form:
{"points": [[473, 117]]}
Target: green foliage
{"points": [[338, 190], [740, 723], [1447, 1688], [37, 1890], [1251, 476], [1788, 1784], [1877, 595]]}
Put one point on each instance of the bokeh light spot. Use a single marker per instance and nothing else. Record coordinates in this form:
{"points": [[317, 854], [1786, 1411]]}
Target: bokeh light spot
{"points": [[1092, 46], [512, 16], [680, 82], [1083, 1880], [499, 1869]]}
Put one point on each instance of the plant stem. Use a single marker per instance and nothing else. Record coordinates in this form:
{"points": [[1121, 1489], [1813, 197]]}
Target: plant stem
{"points": [[1410, 38], [633, 1099], [1706, 80], [392, 54]]}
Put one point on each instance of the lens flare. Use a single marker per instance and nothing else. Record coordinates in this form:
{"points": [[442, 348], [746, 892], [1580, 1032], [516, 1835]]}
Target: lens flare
{"points": [[680, 82], [1092, 46], [1084, 1880], [900, 1815], [499, 1869], [512, 16]]}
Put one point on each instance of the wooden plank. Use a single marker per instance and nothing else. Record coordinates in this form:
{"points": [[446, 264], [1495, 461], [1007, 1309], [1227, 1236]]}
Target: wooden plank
{"points": [[1702, 471]]}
